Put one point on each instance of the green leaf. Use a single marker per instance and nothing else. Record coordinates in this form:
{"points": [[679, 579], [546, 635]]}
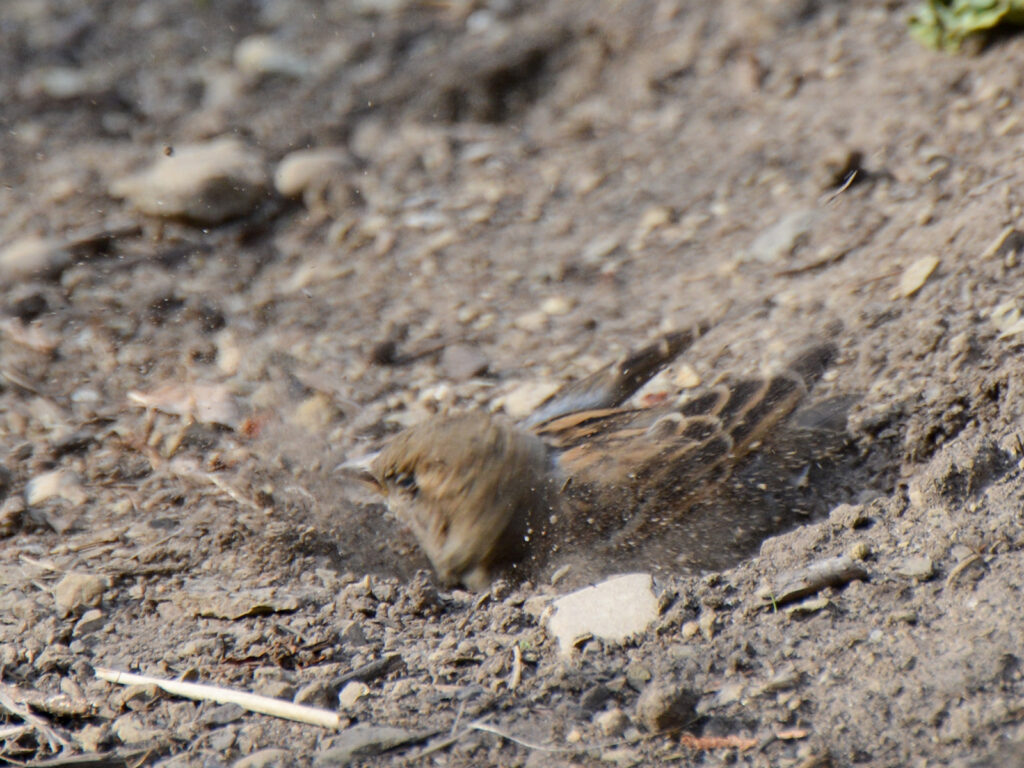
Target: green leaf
{"points": [[946, 24]]}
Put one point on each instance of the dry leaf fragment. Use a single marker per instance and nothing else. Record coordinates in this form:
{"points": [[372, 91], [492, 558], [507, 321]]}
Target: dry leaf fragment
{"points": [[996, 245], [915, 276], [793, 733], [716, 742]]}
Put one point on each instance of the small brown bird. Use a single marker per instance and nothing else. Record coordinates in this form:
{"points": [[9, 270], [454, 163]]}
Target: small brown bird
{"points": [[681, 485]]}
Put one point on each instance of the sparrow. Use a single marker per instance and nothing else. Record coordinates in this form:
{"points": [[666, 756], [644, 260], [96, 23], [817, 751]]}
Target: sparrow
{"points": [[685, 484]]}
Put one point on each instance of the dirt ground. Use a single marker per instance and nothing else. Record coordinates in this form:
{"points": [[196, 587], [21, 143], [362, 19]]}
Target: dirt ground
{"points": [[518, 192]]}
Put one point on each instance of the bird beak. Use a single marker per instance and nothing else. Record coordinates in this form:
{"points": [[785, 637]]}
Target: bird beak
{"points": [[360, 469]]}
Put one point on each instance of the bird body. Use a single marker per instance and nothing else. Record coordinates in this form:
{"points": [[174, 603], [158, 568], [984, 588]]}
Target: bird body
{"points": [[681, 484]]}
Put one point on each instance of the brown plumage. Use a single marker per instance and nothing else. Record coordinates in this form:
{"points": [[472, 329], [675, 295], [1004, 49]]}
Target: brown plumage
{"points": [[680, 485]]}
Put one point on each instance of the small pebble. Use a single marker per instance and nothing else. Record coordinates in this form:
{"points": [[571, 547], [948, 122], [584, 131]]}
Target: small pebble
{"points": [[319, 694], [267, 758], [460, 362], [33, 257], [305, 169], [79, 590], [263, 55], [204, 184], [56, 484], [91, 621], [556, 305], [524, 399], [919, 567], [352, 693], [780, 239], [663, 706], [612, 722]]}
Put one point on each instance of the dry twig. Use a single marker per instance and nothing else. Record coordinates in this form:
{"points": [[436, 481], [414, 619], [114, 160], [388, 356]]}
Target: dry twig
{"points": [[254, 703], [959, 568], [54, 737], [517, 668], [831, 572], [716, 742], [480, 725]]}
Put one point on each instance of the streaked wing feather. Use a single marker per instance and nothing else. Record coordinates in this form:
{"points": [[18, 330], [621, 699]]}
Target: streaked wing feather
{"points": [[614, 384], [631, 473], [774, 401]]}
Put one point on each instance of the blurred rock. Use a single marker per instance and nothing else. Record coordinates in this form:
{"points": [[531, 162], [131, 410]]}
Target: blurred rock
{"points": [[462, 361], [666, 706], [612, 722], [267, 758], [320, 694], [362, 741], [79, 590], [309, 170], [915, 276], [91, 621], [201, 183], [525, 398], [59, 483], [33, 256], [780, 239], [129, 729], [352, 693], [263, 55]]}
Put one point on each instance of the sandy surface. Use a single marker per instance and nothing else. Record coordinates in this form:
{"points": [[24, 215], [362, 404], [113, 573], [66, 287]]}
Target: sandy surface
{"points": [[517, 193]]}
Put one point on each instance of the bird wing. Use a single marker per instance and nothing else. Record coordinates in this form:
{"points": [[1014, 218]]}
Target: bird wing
{"points": [[671, 457], [615, 383]]}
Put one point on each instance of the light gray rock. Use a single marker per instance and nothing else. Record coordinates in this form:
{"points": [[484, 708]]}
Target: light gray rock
{"points": [[780, 239], [56, 484], [91, 621], [308, 169], [614, 610], [276, 689], [267, 758], [352, 693], [130, 729], [362, 741], [200, 183], [612, 722], [263, 55], [79, 590], [666, 706], [918, 567], [33, 257], [460, 362], [319, 694]]}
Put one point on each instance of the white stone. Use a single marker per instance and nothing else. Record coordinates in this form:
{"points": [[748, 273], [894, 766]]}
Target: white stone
{"points": [[611, 722], [202, 183], [263, 55], [352, 693], [32, 257], [57, 483], [614, 610], [305, 168]]}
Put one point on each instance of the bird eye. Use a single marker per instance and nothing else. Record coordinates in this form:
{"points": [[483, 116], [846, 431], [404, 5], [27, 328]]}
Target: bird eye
{"points": [[406, 481]]}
